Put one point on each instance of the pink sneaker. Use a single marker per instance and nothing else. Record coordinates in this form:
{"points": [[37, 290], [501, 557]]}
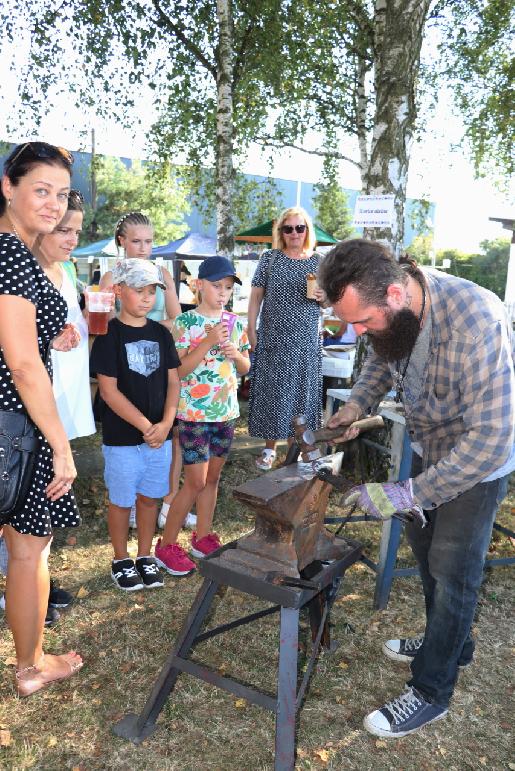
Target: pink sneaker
{"points": [[173, 559], [204, 546]]}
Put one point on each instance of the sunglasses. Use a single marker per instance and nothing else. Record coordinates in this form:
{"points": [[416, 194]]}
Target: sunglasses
{"points": [[43, 151], [288, 229]]}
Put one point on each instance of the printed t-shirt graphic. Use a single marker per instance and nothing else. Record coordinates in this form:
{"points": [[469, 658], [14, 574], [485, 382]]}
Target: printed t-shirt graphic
{"points": [[143, 356]]}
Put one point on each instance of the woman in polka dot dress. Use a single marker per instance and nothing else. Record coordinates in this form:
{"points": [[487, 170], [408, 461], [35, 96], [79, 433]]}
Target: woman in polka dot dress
{"points": [[33, 199], [287, 368]]}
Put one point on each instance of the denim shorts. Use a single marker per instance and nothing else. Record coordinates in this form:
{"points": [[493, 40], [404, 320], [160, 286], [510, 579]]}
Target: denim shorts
{"points": [[136, 469], [201, 441]]}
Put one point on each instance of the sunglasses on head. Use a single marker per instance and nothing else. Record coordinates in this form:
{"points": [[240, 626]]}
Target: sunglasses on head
{"points": [[76, 195], [288, 229], [43, 151]]}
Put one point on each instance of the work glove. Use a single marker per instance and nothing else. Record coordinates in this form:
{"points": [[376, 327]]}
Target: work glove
{"points": [[382, 500]]}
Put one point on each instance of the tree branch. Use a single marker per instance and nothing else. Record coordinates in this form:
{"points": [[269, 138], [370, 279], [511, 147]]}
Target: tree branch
{"points": [[278, 144], [238, 62], [187, 43]]}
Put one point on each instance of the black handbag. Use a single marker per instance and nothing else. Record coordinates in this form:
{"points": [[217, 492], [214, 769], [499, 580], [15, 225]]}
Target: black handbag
{"points": [[19, 444]]}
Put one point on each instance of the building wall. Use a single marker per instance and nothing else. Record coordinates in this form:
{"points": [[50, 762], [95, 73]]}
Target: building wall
{"points": [[287, 187]]}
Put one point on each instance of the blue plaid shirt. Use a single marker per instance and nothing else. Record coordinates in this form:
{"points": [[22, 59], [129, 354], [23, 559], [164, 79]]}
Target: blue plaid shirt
{"points": [[463, 417]]}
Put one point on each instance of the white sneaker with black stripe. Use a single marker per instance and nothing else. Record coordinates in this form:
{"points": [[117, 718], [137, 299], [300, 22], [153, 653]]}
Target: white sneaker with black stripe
{"points": [[125, 575], [406, 648], [404, 715], [403, 649], [149, 571]]}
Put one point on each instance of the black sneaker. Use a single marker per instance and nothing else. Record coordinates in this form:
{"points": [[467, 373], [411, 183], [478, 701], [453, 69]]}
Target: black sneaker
{"points": [[52, 616], [149, 572], [59, 598], [406, 714], [125, 575], [403, 649]]}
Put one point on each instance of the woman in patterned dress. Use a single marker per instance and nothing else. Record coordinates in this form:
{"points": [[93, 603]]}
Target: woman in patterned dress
{"points": [[33, 199], [287, 368]]}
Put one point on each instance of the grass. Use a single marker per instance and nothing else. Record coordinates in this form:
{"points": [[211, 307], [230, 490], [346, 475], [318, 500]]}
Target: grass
{"points": [[124, 640]]}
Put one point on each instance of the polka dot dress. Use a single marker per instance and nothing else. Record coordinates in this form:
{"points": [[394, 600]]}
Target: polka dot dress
{"points": [[21, 275], [287, 368]]}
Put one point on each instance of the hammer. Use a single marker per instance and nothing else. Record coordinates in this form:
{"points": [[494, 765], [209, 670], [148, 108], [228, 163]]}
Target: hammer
{"points": [[307, 439]]}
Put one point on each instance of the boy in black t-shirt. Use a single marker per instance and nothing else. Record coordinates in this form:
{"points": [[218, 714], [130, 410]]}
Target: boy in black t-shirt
{"points": [[136, 367]]}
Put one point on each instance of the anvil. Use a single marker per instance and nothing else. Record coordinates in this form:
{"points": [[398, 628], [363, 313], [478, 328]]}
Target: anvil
{"points": [[289, 533]]}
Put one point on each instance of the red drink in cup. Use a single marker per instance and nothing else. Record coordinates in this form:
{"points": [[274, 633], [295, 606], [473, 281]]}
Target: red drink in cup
{"points": [[98, 321], [99, 305]]}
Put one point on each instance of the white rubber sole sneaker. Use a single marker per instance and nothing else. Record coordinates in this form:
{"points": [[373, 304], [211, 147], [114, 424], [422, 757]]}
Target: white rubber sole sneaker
{"points": [[404, 648], [172, 572], [403, 716], [135, 588], [190, 523]]}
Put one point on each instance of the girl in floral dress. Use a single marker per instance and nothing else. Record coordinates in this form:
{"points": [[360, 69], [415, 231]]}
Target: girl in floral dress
{"points": [[211, 360]]}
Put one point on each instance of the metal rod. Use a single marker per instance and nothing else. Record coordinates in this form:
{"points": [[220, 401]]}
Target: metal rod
{"points": [[500, 561], [233, 624], [241, 690], [504, 530], [379, 447], [312, 658]]}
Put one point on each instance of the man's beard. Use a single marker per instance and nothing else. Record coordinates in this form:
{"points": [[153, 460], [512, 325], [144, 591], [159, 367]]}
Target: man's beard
{"points": [[397, 340]]}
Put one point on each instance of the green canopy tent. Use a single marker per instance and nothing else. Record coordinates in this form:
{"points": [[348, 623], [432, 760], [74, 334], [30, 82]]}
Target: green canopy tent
{"points": [[262, 234]]}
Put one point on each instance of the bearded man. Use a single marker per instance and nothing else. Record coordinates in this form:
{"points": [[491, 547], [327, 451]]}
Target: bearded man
{"points": [[445, 346]]}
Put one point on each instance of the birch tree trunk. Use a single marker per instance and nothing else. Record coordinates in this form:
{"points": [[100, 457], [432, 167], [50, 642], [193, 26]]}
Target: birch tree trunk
{"points": [[224, 130], [398, 34], [361, 120]]}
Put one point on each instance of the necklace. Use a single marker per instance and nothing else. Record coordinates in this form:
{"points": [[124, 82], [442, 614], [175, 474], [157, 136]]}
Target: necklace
{"points": [[15, 232], [398, 376]]}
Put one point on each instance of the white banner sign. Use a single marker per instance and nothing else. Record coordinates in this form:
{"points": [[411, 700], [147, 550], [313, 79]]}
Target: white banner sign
{"points": [[374, 211]]}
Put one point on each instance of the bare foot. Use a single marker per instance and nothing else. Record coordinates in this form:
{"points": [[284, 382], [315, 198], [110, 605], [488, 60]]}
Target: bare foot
{"points": [[49, 669]]}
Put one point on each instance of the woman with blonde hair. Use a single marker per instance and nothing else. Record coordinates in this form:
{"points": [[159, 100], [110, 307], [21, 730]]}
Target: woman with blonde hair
{"points": [[287, 369]]}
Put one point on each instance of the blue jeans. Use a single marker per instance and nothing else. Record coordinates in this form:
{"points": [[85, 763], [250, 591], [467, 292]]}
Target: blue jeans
{"points": [[450, 552]]}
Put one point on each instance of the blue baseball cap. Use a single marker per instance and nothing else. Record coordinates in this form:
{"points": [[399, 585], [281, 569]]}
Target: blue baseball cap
{"points": [[217, 267]]}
